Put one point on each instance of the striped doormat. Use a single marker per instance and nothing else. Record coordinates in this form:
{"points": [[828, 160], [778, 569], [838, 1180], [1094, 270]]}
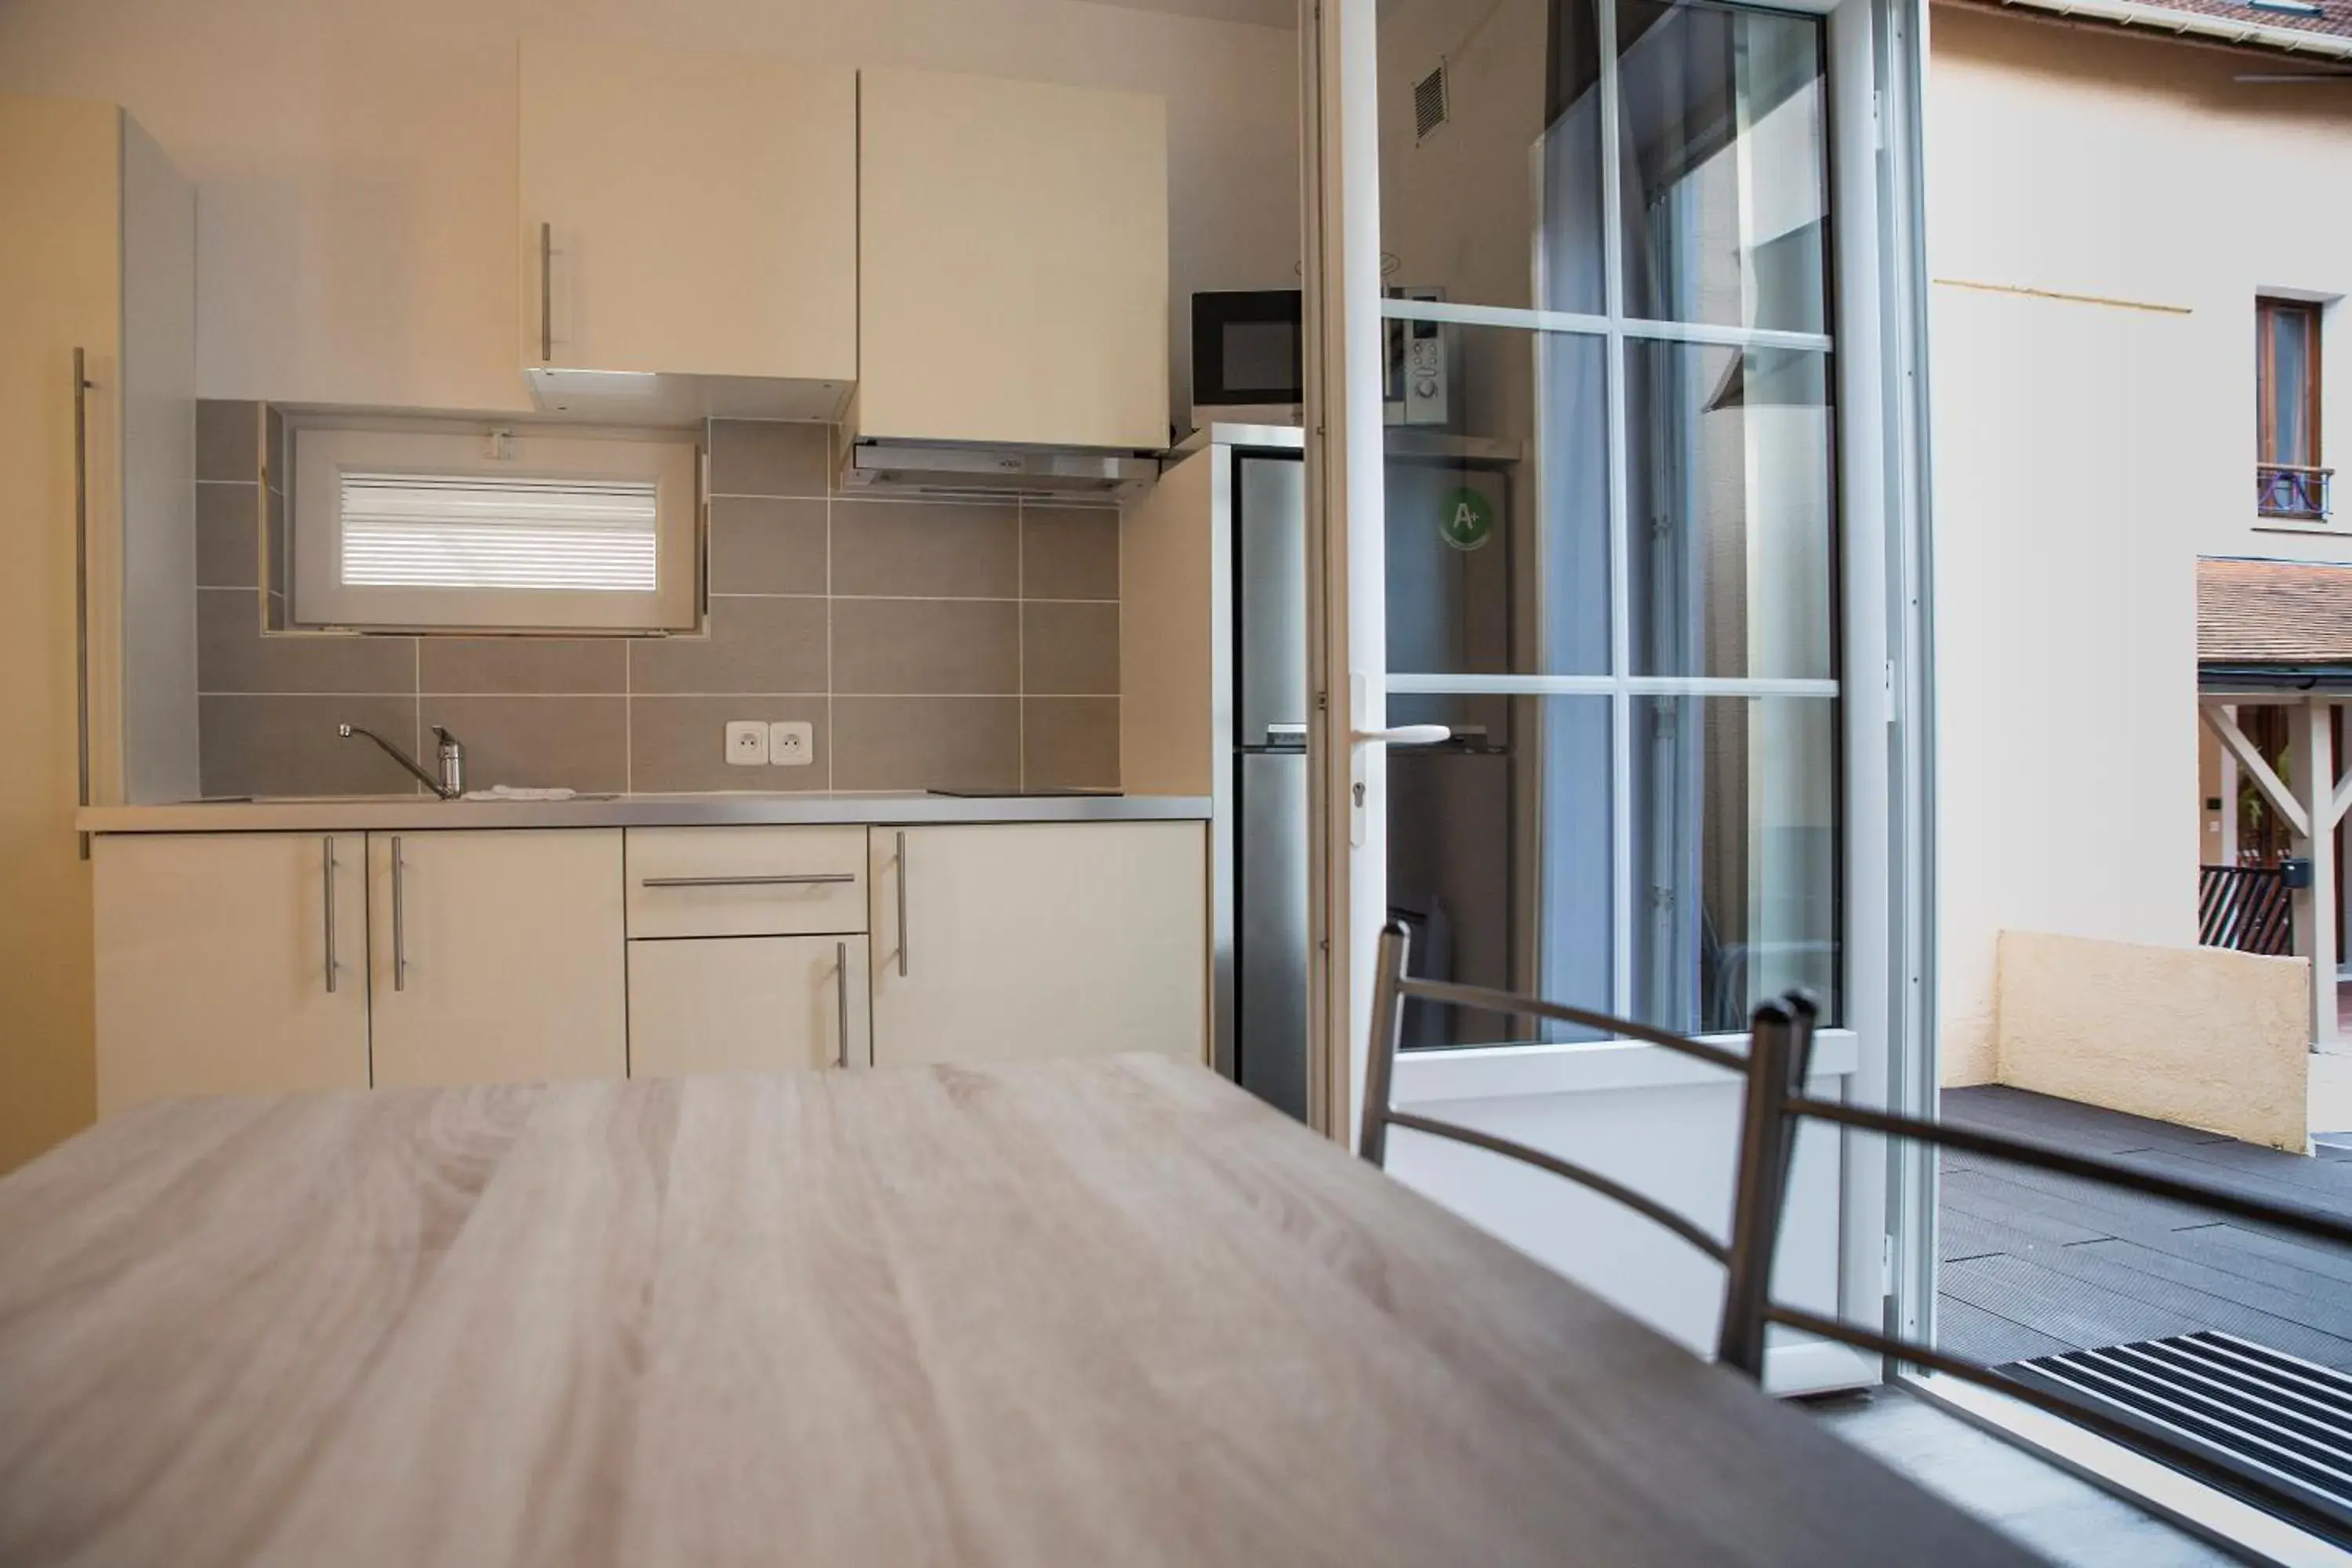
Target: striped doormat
{"points": [[2246, 1409]]}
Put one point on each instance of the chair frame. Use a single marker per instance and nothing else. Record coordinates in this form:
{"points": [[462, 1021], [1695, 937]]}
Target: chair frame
{"points": [[1774, 1070]]}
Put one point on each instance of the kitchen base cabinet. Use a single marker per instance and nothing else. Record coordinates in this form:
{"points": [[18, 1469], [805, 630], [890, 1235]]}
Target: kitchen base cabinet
{"points": [[1006, 941], [230, 964], [496, 956], [761, 1004]]}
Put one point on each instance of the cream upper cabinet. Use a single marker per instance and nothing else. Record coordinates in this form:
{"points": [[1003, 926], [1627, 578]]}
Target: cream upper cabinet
{"points": [[230, 964], [1004, 943], [690, 214], [1012, 265], [496, 957]]}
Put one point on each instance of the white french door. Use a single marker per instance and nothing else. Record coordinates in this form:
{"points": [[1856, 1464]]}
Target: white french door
{"points": [[1612, 467]]}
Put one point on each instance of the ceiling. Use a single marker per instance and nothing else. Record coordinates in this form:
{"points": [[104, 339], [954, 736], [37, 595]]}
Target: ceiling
{"points": [[1265, 13]]}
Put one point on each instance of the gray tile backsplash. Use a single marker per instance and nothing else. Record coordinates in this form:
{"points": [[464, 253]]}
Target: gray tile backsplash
{"points": [[539, 742], [229, 520], [488, 667], [675, 744], [963, 644], [926, 742], [927, 647], [1069, 649], [1069, 742], [767, 545], [765, 645], [927, 549], [288, 745]]}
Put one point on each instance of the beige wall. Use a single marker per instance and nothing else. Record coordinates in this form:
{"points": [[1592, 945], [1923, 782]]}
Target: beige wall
{"points": [[356, 164], [2205, 1038], [2088, 450]]}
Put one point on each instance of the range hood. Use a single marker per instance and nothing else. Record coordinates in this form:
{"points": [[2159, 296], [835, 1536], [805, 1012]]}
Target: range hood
{"points": [[947, 469]]}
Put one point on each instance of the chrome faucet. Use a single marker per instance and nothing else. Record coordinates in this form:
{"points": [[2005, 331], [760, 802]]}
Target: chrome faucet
{"points": [[449, 750]]}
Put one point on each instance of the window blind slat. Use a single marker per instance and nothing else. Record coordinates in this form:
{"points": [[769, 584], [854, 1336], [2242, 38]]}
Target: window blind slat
{"points": [[465, 531]]}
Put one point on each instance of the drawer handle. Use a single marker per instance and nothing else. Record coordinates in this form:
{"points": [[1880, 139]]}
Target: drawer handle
{"points": [[841, 997], [399, 919], [800, 879], [327, 857], [902, 905]]}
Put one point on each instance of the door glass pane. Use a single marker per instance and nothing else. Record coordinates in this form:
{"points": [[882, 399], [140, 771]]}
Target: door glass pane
{"points": [[1490, 152], [1735, 849], [1724, 181], [1498, 527], [1500, 860], [2289, 392], [1728, 512]]}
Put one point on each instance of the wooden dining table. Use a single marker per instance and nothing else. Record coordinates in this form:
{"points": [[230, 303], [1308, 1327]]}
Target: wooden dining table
{"points": [[1108, 1310]]}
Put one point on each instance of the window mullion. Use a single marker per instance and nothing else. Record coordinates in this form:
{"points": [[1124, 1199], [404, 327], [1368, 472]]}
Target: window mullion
{"points": [[1620, 766]]}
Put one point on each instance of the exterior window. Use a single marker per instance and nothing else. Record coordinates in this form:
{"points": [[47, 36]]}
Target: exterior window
{"points": [[427, 529], [2288, 479]]}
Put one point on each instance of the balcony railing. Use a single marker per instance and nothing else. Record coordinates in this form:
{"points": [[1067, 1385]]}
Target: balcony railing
{"points": [[2292, 489]]}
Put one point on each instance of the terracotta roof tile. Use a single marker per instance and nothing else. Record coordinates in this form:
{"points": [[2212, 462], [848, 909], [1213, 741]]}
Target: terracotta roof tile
{"points": [[2335, 16], [2273, 612], [2334, 19]]}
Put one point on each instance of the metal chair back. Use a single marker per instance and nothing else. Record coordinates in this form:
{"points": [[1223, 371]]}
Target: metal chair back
{"points": [[1774, 1101], [1774, 1067]]}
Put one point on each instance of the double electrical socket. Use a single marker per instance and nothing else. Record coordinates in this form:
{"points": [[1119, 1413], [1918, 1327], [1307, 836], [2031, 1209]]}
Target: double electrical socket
{"points": [[753, 744]]}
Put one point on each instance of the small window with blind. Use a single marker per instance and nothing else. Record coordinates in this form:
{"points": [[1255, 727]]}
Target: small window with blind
{"points": [[2289, 482], [422, 529]]}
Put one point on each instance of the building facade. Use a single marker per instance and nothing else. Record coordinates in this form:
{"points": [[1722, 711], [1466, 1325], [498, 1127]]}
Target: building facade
{"points": [[2114, 213]]}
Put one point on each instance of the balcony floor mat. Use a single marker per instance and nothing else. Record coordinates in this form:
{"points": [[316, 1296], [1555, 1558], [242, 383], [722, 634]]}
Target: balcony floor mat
{"points": [[2245, 1410]]}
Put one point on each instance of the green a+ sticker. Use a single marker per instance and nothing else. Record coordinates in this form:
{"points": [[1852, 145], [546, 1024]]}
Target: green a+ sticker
{"points": [[1469, 519]]}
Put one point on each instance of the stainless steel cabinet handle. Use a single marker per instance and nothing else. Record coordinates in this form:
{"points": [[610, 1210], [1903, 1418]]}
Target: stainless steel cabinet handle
{"points": [[399, 925], [327, 876], [841, 997], [81, 388], [546, 292], [800, 879], [902, 904]]}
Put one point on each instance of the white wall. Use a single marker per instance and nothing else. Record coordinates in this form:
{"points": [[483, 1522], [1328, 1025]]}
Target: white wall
{"points": [[355, 163], [2086, 454]]}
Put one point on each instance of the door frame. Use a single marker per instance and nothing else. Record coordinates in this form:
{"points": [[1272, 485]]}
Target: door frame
{"points": [[1876, 65]]}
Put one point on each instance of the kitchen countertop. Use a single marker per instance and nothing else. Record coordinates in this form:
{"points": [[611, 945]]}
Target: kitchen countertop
{"points": [[418, 813], [1070, 1312]]}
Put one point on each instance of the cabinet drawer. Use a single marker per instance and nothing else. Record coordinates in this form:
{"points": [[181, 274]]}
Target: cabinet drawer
{"points": [[746, 882], [764, 1003]]}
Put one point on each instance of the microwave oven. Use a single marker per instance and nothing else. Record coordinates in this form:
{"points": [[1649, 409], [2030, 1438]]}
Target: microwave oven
{"points": [[1249, 360]]}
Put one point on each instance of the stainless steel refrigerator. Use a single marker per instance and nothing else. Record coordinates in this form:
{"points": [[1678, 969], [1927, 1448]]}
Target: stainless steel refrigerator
{"points": [[1454, 878], [1270, 739]]}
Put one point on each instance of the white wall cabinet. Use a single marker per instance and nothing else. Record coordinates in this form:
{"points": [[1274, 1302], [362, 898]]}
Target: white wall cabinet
{"points": [[1013, 262], [693, 215], [230, 964], [747, 1004], [496, 957], [1006, 943]]}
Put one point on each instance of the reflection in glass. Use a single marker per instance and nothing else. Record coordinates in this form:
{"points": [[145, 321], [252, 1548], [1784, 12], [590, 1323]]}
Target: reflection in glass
{"points": [[1735, 855], [1498, 858], [1498, 538], [1506, 187], [1725, 173], [1728, 504]]}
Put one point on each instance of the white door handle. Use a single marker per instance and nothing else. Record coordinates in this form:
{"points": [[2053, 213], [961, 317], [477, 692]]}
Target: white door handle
{"points": [[1406, 735]]}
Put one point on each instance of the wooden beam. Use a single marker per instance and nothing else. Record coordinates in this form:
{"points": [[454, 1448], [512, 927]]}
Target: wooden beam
{"points": [[2225, 730]]}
